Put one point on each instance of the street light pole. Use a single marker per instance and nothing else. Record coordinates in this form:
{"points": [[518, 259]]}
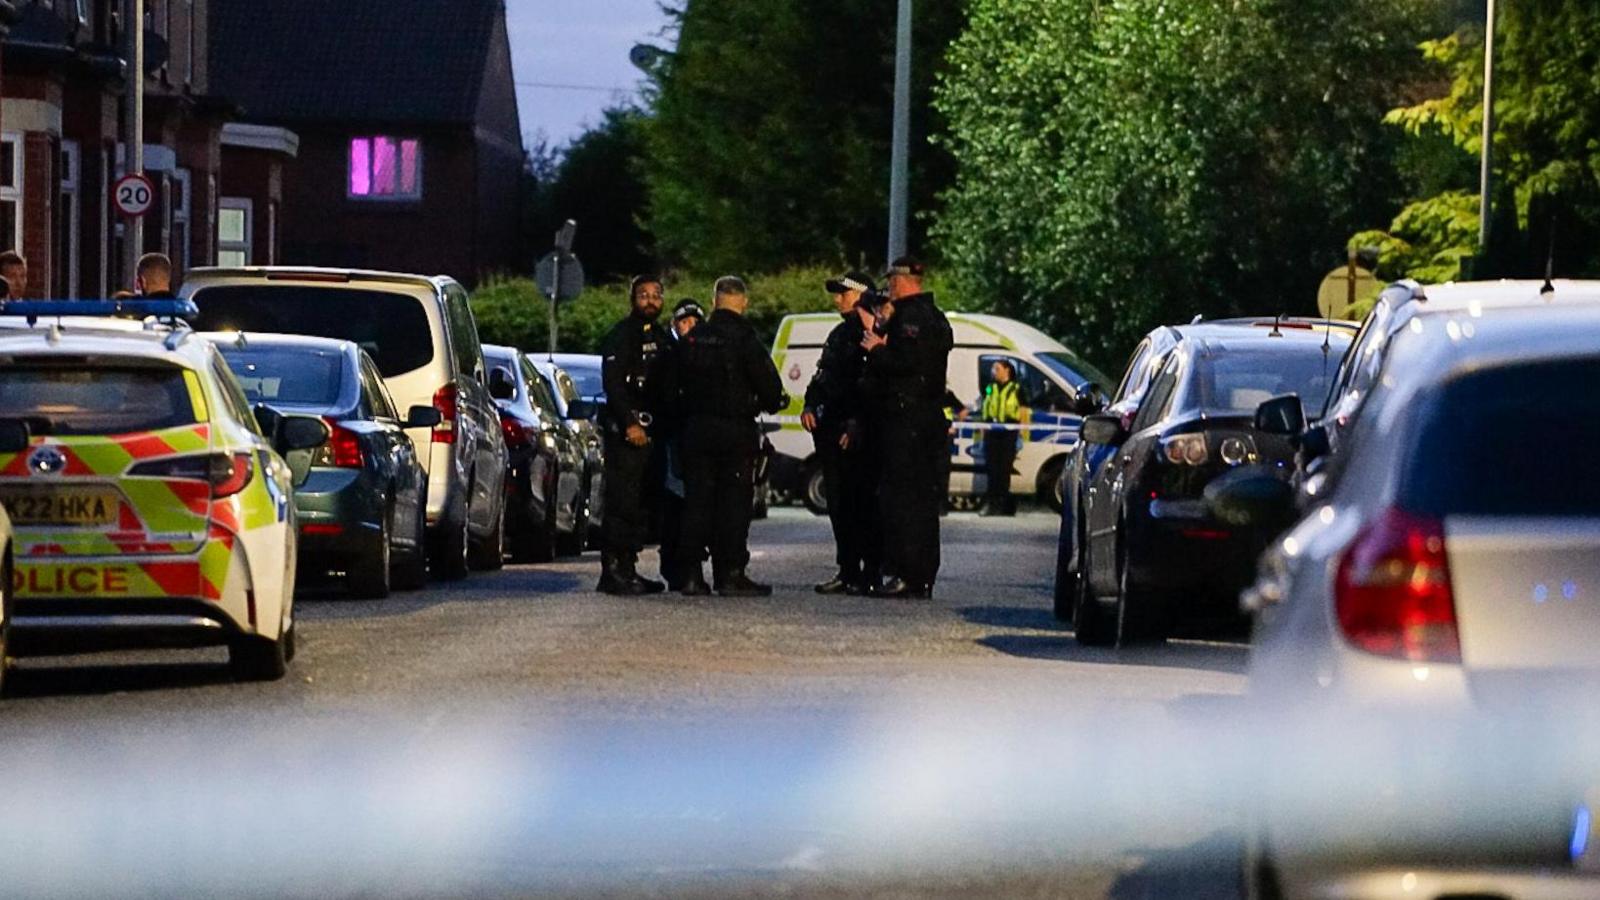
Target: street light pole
{"points": [[133, 129], [900, 154], [1486, 174]]}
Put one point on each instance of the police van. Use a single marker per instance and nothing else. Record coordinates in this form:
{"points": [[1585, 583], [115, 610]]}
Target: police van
{"points": [[1056, 386]]}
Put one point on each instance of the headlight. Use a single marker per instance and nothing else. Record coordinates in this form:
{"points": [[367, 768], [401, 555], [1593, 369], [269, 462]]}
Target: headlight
{"points": [[1185, 449], [1234, 451]]}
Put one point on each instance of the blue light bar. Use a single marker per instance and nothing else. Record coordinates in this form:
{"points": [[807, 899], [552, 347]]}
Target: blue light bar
{"points": [[138, 309]]}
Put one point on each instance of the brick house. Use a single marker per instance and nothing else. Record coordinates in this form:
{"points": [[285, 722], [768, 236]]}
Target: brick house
{"points": [[409, 148], [59, 141]]}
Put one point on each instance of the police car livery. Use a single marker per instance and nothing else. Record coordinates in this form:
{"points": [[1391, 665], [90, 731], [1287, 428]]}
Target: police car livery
{"points": [[150, 504]]}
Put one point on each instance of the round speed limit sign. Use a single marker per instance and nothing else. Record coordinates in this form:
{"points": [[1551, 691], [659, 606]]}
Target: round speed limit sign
{"points": [[133, 195]]}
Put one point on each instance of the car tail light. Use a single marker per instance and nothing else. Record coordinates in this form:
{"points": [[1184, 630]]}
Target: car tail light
{"points": [[1185, 450], [447, 401], [230, 473], [342, 449], [516, 434], [1392, 591]]}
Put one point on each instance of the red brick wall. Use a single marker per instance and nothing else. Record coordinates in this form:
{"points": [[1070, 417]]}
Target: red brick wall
{"points": [[41, 186]]}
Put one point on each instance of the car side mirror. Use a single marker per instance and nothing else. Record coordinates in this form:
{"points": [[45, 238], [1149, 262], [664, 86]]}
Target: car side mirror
{"points": [[1252, 496], [300, 433], [1314, 444], [14, 436], [1103, 429], [582, 409], [502, 384], [1282, 416], [423, 417]]}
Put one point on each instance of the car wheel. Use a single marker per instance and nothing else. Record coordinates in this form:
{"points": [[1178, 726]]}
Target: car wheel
{"points": [[815, 490], [368, 578], [412, 572], [253, 658], [490, 554], [1141, 615], [450, 552], [1050, 488], [544, 541], [1090, 624]]}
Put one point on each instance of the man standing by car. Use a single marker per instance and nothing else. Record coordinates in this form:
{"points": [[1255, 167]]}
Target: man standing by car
{"points": [[153, 277], [905, 380], [686, 317], [630, 356], [1001, 408], [723, 378], [848, 469]]}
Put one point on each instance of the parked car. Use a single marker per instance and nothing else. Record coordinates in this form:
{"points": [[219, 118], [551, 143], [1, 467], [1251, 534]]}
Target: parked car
{"points": [[1444, 579], [1086, 457], [586, 374], [546, 476], [421, 334], [580, 415], [1057, 387], [1152, 556], [362, 495], [150, 501]]}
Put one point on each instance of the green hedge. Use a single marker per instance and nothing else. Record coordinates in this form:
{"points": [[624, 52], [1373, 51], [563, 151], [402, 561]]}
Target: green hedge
{"points": [[511, 310]]}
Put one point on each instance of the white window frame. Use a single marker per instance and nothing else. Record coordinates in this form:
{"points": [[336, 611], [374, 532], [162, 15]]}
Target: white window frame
{"points": [[72, 203], [17, 191], [181, 216], [398, 139], [246, 246]]}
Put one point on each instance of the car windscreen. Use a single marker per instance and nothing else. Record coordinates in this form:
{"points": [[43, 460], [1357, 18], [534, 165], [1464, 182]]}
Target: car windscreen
{"points": [[1236, 380], [304, 376], [1077, 371], [587, 379], [63, 399], [1509, 441], [392, 327]]}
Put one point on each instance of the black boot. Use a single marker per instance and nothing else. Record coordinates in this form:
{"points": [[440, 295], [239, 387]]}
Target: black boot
{"points": [[693, 583], [841, 583], [613, 580], [627, 567], [735, 583], [900, 589]]}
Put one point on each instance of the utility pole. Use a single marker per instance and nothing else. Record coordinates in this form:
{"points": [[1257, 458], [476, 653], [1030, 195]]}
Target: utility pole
{"points": [[900, 156], [132, 129], [1486, 174]]}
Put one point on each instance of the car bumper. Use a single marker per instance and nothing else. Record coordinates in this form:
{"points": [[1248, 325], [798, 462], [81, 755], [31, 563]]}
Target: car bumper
{"points": [[89, 625], [1179, 549], [341, 512]]}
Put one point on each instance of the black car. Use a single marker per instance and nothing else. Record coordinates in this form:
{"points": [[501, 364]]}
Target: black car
{"points": [[1152, 554], [580, 411], [362, 496], [547, 510]]}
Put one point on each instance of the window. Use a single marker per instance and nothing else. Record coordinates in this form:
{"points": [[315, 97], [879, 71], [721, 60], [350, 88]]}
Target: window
{"points": [[1154, 408], [233, 232], [178, 201], [463, 333], [392, 327], [1034, 388], [385, 168], [64, 400], [293, 375], [233, 396], [10, 191], [376, 395], [66, 249]]}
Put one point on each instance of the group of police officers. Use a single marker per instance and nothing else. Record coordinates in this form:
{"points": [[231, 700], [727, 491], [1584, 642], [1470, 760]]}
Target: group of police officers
{"points": [[682, 402]]}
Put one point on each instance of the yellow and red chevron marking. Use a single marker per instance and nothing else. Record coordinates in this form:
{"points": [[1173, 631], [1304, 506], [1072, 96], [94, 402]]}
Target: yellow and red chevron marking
{"points": [[112, 454]]}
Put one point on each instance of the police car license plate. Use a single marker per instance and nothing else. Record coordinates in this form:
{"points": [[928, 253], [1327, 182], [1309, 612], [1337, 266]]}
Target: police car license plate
{"points": [[60, 506]]}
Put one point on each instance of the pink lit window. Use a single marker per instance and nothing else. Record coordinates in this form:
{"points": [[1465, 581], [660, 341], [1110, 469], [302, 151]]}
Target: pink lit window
{"points": [[385, 168]]}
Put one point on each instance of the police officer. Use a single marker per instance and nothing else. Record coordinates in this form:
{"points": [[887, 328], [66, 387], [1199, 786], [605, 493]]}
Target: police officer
{"points": [[631, 353], [1001, 407], [686, 316], [722, 378], [905, 380], [831, 414]]}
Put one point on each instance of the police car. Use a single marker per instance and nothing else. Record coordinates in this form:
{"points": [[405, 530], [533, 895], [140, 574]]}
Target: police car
{"points": [[150, 503]]}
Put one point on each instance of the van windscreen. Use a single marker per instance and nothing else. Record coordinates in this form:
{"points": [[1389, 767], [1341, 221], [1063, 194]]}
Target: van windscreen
{"points": [[392, 327]]}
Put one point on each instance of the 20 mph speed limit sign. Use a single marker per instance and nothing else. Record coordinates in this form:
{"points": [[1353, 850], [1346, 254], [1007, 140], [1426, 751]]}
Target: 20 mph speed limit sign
{"points": [[133, 195]]}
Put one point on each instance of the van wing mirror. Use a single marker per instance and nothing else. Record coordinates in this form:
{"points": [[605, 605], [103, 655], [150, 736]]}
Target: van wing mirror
{"points": [[1282, 416], [502, 384], [1103, 429]]}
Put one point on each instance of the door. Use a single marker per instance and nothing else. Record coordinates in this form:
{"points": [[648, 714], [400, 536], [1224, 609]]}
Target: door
{"points": [[480, 439], [1105, 502]]}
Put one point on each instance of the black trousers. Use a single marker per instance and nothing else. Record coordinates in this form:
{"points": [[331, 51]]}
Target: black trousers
{"points": [[914, 450], [719, 456], [850, 479], [1000, 455], [627, 517]]}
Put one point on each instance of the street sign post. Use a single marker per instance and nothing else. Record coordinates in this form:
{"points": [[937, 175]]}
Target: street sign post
{"points": [[560, 275], [133, 195]]}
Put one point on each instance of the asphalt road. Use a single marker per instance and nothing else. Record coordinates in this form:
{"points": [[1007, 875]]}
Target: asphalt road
{"points": [[518, 733]]}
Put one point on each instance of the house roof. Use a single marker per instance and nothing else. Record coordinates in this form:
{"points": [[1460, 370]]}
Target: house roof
{"points": [[407, 61]]}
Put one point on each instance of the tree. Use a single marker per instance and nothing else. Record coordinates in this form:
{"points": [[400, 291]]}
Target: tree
{"points": [[769, 140], [596, 180], [1547, 150], [1122, 163]]}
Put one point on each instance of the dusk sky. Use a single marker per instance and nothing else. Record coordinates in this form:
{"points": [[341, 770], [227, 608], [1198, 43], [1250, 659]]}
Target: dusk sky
{"points": [[583, 45]]}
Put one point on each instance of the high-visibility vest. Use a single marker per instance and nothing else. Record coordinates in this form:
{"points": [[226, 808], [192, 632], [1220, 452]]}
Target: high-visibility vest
{"points": [[1000, 403]]}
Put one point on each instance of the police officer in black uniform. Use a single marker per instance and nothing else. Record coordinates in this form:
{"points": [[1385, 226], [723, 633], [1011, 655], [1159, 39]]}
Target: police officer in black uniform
{"points": [[722, 379], [849, 467], [905, 381], [631, 354], [686, 317]]}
